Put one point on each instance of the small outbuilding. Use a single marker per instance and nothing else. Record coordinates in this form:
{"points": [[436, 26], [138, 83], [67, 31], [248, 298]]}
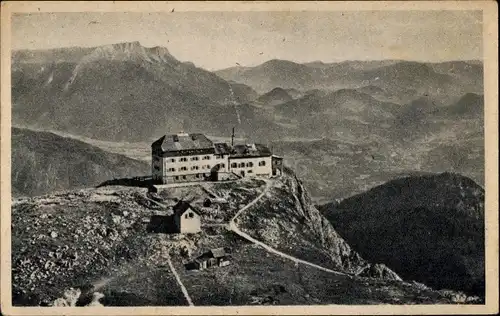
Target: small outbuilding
{"points": [[218, 257], [186, 219]]}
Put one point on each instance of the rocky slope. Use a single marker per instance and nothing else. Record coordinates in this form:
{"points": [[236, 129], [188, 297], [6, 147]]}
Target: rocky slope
{"points": [[107, 240], [43, 162], [289, 222], [426, 228]]}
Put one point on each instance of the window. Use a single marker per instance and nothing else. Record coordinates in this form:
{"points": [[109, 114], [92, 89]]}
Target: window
{"points": [[234, 165], [184, 177], [176, 178], [171, 169], [262, 163], [194, 168], [194, 158], [190, 215], [183, 159], [250, 164], [222, 165], [184, 168], [208, 166], [171, 160], [241, 165], [206, 157], [249, 171]]}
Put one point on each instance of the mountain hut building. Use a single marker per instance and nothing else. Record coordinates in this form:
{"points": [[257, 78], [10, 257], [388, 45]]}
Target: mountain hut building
{"points": [[193, 157]]}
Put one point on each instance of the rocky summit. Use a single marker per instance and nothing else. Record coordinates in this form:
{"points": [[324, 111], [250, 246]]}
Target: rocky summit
{"points": [[106, 246]]}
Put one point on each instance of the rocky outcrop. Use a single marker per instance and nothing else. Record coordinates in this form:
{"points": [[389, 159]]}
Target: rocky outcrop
{"points": [[72, 296], [288, 221], [380, 271], [61, 240], [69, 298]]}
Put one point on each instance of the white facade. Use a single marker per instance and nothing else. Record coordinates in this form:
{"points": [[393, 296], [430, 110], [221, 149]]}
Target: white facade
{"points": [[251, 166], [188, 165], [188, 222]]}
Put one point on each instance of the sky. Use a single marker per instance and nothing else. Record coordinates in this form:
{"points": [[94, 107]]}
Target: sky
{"points": [[216, 40]]}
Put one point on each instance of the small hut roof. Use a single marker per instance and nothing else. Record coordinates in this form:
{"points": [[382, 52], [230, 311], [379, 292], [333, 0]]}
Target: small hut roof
{"points": [[218, 252], [182, 206]]}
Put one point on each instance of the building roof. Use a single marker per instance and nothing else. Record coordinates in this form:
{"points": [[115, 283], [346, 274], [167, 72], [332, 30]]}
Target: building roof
{"points": [[218, 252], [181, 207], [176, 144], [213, 253], [222, 149], [250, 150], [182, 141]]}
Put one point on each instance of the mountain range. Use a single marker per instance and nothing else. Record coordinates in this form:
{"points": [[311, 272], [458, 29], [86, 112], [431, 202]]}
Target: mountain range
{"points": [[443, 81], [128, 92], [120, 92]]}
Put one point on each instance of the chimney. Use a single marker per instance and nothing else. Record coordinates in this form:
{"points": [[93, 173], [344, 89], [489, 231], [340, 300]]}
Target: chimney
{"points": [[232, 138]]}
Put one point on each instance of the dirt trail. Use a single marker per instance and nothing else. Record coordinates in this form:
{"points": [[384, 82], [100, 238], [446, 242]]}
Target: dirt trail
{"points": [[235, 229], [177, 277]]}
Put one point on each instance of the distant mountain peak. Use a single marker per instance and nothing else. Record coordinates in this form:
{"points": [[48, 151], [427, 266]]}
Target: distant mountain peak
{"points": [[278, 90], [276, 95], [351, 93], [130, 51], [129, 44], [277, 62]]}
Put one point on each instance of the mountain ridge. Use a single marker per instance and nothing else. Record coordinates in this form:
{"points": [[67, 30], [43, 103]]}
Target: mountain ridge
{"points": [[152, 86], [393, 75], [44, 162], [429, 228]]}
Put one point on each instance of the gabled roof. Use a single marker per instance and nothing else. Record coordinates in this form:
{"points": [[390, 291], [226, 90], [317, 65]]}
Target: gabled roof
{"points": [[213, 253], [178, 142], [181, 207], [218, 252]]}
